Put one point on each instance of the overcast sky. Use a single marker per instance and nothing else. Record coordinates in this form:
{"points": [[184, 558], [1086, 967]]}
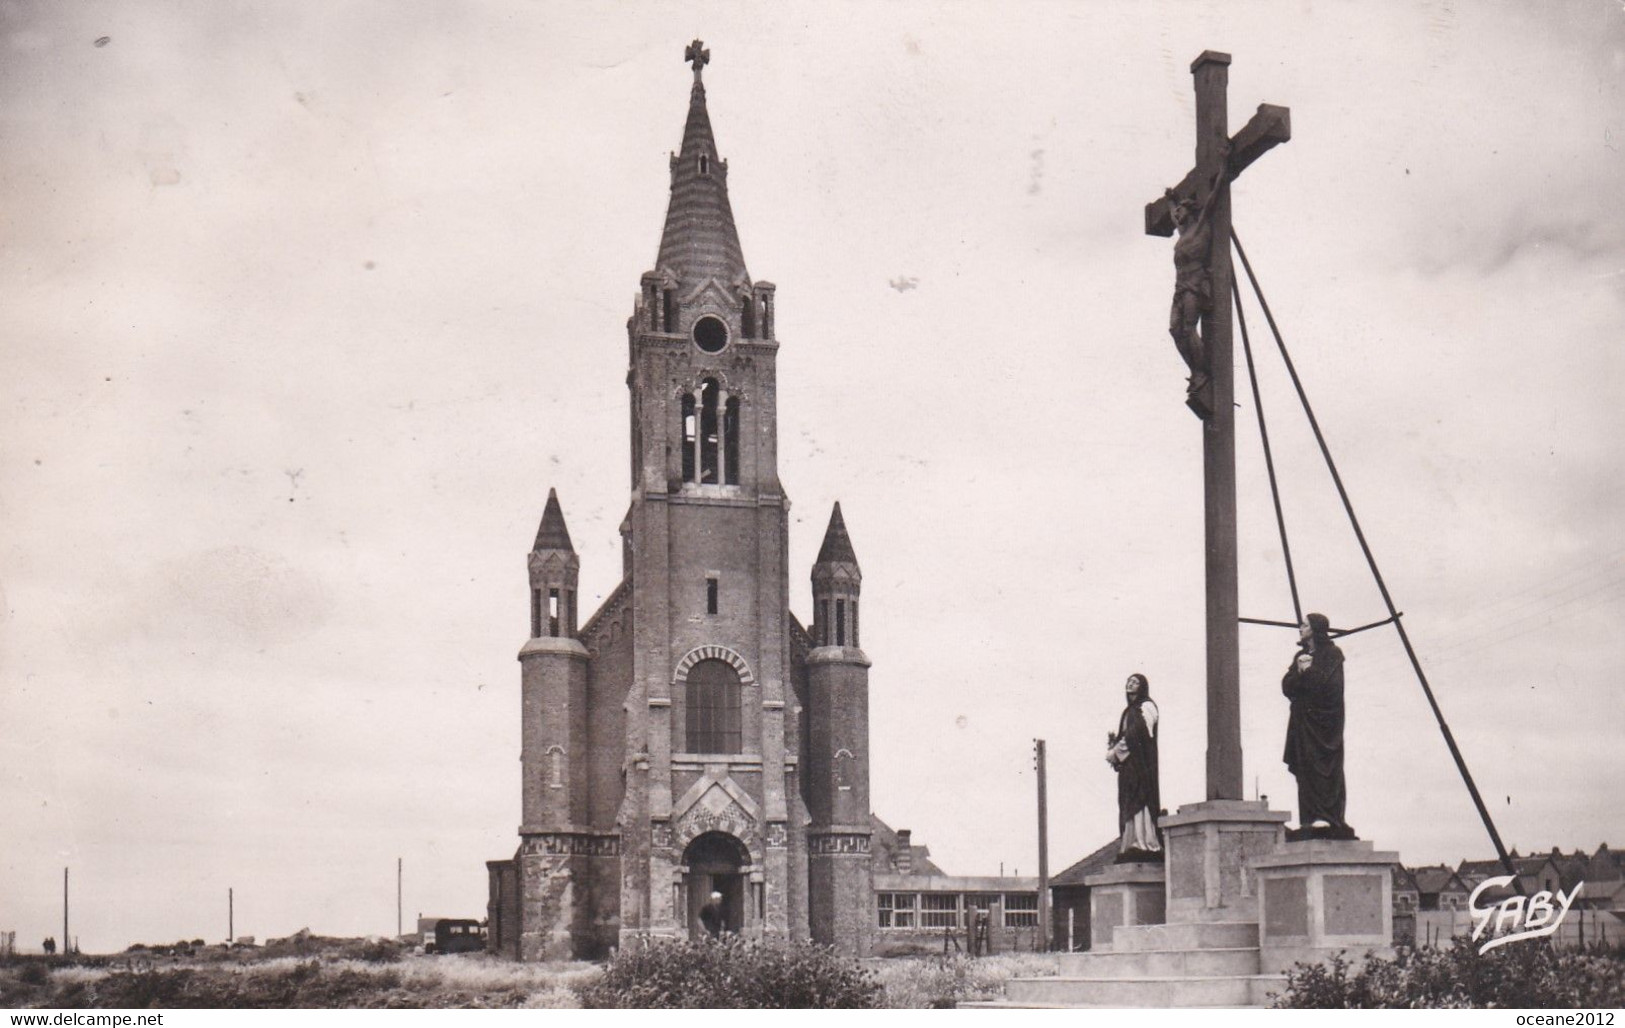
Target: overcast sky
{"points": [[309, 304]]}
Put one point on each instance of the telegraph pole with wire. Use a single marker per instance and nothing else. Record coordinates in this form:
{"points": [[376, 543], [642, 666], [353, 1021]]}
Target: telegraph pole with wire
{"points": [[1043, 848]]}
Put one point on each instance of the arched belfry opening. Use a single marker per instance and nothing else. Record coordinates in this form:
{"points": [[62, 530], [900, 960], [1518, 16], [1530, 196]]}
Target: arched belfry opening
{"points": [[715, 862], [710, 434]]}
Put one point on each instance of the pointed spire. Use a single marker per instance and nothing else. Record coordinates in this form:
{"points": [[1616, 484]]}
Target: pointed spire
{"points": [[553, 535], [837, 548], [700, 241]]}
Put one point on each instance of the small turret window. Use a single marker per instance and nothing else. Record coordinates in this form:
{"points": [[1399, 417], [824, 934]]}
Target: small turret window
{"points": [[840, 622], [855, 622], [710, 596], [705, 164], [535, 613], [553, 612]]}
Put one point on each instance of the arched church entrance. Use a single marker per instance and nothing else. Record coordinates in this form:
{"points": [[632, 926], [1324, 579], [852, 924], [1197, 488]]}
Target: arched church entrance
{"points": [[716, 862]]}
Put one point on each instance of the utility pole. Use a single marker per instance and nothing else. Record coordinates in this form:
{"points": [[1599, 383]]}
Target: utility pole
{"points": [[1043, 848], [231, 917], [398, 897], [64, 910]]}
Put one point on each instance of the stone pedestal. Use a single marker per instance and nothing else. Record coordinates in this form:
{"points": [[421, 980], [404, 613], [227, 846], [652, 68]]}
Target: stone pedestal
{"points": [[1124, 894], [1208, 847], [1243, 905], [1320, 897]]}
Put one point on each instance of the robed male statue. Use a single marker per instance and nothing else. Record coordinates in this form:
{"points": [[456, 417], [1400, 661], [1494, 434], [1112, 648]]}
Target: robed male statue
{"points": [[1314, 731], [1132, 753]]}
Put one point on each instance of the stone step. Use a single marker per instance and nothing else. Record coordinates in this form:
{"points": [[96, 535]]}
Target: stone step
{"points": [[1163, 991], [1160, 963], [1186, 935]]}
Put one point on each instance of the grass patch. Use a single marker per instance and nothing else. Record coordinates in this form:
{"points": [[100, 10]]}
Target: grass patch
{"points": [[258, 980], [915, 982], [347, 974]]}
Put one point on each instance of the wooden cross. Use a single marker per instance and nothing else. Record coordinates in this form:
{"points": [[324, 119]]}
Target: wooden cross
{"points": [[697, 55], [1219, 159]]}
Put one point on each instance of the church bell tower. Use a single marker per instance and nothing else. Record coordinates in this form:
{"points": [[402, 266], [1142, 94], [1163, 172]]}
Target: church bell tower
{"points": [[690, 738], [711, 775]]}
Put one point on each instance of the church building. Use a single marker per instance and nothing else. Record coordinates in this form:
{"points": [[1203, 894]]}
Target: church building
{"points": [[691, 736]]}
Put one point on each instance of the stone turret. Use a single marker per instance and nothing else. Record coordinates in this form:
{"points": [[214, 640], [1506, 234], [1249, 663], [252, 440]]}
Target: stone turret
{"points": [[553, 734], [837, 752]]}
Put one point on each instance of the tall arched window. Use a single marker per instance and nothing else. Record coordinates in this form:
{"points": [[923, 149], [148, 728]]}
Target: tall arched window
{"points": [[713, 696]]}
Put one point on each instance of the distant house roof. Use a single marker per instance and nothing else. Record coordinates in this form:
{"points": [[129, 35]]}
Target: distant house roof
{"points": [[885, 848], [1094, 863], [1603, 893], [1404, 880], [1437, 879], [1535, 871], [1480, 868], [1604, 866]]}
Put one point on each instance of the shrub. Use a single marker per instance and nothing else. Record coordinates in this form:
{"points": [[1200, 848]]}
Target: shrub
{"points": [[731, 973], [1525, 976], [376, 951]]}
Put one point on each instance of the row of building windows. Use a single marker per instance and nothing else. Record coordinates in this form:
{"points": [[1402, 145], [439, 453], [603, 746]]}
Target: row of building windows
{"points": [[832, 631], [956, 909], [557, 615]]}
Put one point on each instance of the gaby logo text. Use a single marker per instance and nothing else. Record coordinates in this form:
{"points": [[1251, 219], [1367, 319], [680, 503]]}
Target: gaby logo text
{"points": [[1516, 918]]}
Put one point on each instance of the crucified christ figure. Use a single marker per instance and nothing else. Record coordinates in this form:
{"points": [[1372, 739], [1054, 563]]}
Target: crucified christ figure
{"points": [[1193, 282]]}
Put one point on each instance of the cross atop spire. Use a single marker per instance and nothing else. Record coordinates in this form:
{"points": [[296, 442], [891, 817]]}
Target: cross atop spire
{"points": [[700, 241], [697, 55]]}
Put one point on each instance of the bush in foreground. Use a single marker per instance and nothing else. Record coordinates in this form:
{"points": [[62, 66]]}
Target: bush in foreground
{"points": [[732, 973], [1517, 975]]}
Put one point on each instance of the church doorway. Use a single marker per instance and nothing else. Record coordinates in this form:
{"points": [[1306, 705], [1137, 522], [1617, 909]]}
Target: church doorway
{"points": [[715, 862]]}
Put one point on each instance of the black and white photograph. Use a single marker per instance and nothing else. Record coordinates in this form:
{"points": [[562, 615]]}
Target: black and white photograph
{"points": [[915, 505]]}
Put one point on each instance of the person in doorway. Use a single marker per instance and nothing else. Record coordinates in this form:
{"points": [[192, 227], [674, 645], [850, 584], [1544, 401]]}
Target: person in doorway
{"points": [[711, 915]]}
